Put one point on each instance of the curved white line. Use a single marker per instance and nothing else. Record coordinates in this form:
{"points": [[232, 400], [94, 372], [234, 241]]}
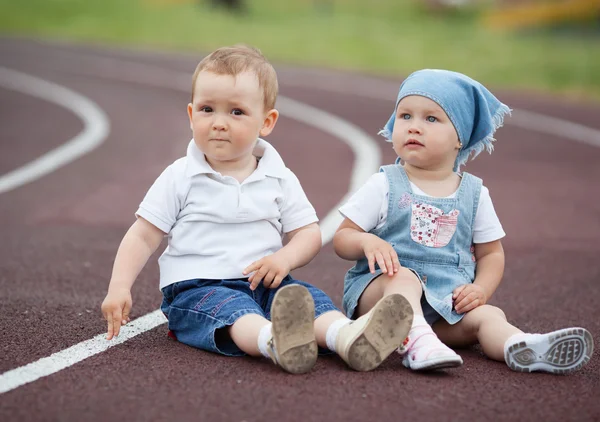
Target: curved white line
{"points": [[368, 158], [366, 152], [95, 130], [365, 148]]}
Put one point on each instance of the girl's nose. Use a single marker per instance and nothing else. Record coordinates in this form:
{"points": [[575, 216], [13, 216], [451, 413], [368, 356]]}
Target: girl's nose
{"points": [[414, 129]]}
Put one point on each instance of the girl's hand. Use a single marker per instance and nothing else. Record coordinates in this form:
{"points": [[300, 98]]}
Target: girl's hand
{"points": [[271, 270], [468, 297], [116, 308], [381, 252]]}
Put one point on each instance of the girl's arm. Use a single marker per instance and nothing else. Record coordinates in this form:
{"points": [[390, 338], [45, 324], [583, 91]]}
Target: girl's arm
{"points": [[490, 266], [352, 243]]}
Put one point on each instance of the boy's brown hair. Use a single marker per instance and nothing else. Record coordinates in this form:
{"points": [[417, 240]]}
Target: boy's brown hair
{"points": [[237, 59]]}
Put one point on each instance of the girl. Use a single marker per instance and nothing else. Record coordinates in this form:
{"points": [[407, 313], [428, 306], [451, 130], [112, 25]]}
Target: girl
{"points": [[422, 229]]}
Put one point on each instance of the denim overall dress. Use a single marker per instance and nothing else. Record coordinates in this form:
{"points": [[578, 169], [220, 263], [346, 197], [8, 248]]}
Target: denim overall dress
{"points": [[433, 237]]}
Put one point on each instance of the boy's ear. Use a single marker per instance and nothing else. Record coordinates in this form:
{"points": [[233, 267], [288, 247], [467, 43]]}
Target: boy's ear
{"points": [[269, 123], [190, 108]]}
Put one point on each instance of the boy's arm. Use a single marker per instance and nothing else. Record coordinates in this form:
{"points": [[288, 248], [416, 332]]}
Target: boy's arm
{"points": [[490, 268], [139, 243], [303, 245]]}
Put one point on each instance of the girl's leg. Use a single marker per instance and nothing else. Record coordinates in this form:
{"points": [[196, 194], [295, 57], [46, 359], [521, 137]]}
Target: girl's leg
{"points": [[485, 324], [404, 282], [423, 351], [558, 352]]}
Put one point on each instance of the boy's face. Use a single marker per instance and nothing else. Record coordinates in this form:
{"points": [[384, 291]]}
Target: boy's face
{"points": [[227, 116], [423, 134]]}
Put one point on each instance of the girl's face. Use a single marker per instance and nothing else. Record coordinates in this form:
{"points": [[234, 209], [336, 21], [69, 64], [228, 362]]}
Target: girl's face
{"points": [[423, 134]]}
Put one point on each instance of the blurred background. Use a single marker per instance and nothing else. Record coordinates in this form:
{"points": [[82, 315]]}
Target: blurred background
{"points": [[550, 45]]}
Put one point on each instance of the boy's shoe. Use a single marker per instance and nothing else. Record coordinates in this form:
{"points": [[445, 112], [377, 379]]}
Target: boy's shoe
{"points": [[293, 345], [366, 342], [423, 351], [558, 352]]}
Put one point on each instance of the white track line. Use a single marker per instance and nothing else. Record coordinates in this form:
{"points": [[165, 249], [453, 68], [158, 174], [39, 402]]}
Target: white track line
{"points": [[96, 127], [367, 160], [68, 357]]}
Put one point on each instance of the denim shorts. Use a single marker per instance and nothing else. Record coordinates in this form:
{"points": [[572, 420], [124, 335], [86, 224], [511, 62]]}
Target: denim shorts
{"points": [[199, 309]]}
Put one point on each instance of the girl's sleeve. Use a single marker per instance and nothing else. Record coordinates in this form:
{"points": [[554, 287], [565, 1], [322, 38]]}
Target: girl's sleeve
{"points": [[487, 226], [161, 205], [365, 206]]}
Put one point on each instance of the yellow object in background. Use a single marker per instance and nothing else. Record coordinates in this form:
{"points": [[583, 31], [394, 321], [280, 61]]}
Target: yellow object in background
{"points": [[524, 14]]}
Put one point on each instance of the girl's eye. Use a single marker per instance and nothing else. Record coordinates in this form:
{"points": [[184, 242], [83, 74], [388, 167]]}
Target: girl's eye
{"points": [[206, 109], [431, 119], [237, 112], [405, 116]]}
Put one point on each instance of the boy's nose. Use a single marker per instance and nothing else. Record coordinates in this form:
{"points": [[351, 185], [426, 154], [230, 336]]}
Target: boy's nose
{"points": [[219, 124]]}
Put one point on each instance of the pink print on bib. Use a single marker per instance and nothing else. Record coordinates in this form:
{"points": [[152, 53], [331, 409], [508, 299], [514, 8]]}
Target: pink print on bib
{"points": [[429, 226]]}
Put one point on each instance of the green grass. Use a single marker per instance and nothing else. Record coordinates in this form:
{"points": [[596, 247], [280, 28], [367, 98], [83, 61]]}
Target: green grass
{"points": [[389, 37]]}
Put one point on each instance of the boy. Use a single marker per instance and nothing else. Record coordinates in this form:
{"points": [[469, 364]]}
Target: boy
{"points": [[225, 208]]}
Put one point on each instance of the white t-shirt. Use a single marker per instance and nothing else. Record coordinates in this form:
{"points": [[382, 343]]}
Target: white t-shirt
{"points": [[368, 209], [217, 226]]}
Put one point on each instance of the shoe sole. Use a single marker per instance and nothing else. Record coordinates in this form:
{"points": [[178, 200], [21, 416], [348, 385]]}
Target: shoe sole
{"points": [[437, 363], [385, 330], [293, 316], [558, 352]]}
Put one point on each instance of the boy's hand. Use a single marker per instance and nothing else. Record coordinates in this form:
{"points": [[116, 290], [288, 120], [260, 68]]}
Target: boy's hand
{"points": [[380, 251], [468, 297], [116, 308], [271, 270]]}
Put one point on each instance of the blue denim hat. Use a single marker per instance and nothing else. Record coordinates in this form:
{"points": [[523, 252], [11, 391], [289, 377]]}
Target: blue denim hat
{"points": [[473, 110]]}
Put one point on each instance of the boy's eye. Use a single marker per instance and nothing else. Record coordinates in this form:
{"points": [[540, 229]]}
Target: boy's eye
{"points": [[237, 112], [405, 116], [431, 119], [205, 109]]}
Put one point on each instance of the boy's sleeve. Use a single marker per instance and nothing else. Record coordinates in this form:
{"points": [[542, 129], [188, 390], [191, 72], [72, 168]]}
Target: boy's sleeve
{"points": [[364, 208], [161, 205], [487, 226], [296, 210]]}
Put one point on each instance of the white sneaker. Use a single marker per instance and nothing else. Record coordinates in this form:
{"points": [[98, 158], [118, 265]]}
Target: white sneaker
{"points": [[366, 342], [558, 352], [425, 351], [293, 345]]}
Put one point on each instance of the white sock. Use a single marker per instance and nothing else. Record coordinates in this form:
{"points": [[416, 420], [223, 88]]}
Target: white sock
{"points": [[333, 331], [263, 339], [418, 320]]}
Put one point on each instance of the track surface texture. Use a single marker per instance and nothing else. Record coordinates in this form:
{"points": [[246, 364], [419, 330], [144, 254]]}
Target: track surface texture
{"points": [[60, 234]]}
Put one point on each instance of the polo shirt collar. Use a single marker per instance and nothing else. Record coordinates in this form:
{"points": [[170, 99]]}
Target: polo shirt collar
{"points": [[270, 164]]}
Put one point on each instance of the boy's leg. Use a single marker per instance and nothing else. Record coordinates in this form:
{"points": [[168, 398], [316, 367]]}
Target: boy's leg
{"points": [[293, 345], [366, 342], [201, 314]]}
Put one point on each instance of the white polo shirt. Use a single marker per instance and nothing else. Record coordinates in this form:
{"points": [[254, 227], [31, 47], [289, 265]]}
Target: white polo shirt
{"points": [[216, 226]]}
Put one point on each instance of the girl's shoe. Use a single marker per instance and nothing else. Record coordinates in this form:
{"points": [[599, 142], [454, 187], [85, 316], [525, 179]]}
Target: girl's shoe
{"points": [[424, 351], [558, 352], [366, 342], [293, 345]]}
